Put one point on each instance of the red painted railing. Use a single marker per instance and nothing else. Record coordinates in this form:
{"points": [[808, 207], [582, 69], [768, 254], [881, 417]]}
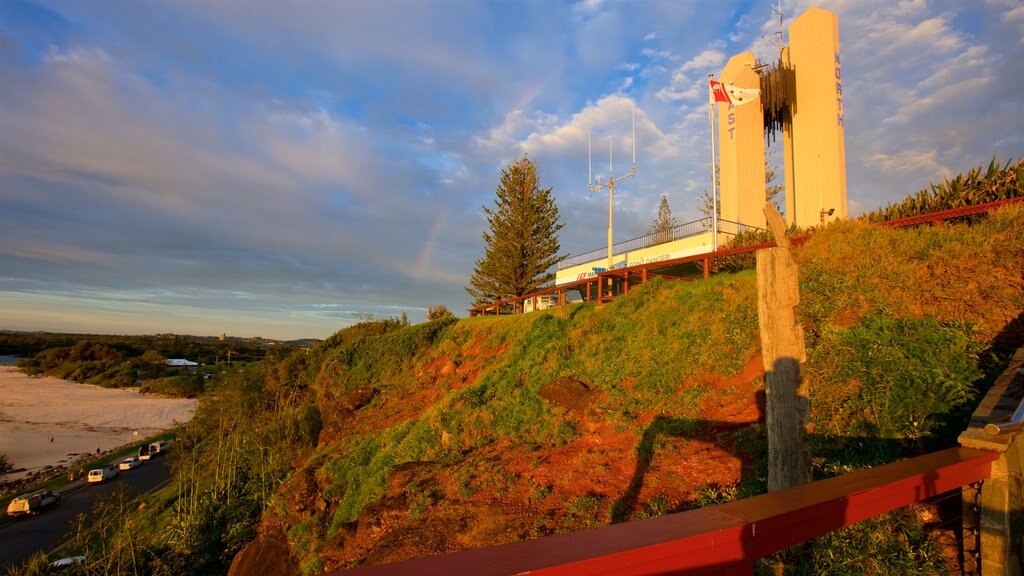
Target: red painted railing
{"points": [[720, 540], [644, 270]]}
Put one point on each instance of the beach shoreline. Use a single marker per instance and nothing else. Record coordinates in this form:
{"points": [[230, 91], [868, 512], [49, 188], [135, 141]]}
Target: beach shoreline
{"points": [[48, 422]]}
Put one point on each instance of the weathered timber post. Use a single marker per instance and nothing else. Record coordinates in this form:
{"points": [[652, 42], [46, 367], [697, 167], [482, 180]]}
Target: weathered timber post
{"points": [[782, 348]]}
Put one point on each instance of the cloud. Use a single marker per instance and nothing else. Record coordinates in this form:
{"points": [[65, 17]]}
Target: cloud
{"points": [[682, 85]]}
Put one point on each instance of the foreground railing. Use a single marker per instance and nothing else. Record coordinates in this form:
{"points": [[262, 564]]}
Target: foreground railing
{"points": [[720, 540]]}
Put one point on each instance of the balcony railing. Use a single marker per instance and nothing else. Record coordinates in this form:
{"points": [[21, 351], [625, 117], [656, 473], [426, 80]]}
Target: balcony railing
{"points": [[678, 232]]}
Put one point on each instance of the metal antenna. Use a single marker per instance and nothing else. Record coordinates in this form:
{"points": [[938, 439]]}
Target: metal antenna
{"points": [[779, 43], [610, 185], [590, 162]]}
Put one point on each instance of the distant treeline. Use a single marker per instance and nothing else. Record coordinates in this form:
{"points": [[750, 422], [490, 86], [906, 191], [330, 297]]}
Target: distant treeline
{"points": [[121, 361]]}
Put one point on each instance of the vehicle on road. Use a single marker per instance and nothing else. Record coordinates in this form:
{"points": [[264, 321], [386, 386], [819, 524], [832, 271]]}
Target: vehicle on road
{"points": [[154, 449], [32, 503], [129, 463], [102, 474]]}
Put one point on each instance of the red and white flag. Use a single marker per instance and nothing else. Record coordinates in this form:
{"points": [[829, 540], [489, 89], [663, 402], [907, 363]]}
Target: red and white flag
{"points": [[722, 92]]}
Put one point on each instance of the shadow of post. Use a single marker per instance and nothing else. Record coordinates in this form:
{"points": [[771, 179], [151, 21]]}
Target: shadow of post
{"points": [[787, 411], [665, 427]]}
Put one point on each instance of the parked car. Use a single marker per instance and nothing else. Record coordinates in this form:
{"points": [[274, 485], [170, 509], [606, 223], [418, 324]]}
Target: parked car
{"points": [[32, 503], [154, 449], [102, 474], [129, 463]]}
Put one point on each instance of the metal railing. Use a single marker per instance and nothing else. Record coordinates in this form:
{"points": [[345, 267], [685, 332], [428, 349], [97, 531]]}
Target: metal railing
{"points": [[678, 232], [730, 228]]}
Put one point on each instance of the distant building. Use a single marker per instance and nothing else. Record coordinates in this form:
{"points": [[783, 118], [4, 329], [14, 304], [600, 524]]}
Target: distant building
{"points": [[182, 363]]}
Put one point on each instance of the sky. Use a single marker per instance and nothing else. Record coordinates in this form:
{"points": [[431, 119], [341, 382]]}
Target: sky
{"points": [[284, 169]]}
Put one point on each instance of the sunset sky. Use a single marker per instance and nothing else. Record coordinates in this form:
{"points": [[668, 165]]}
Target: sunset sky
{"points": [[277, 169]]}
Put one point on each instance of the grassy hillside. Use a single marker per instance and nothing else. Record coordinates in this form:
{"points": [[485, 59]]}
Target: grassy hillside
{"points": [[389, 441]]}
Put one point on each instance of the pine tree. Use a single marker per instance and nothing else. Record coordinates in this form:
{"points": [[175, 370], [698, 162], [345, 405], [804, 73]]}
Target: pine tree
{"points": [[663, 225], [708, 206], [522, 244]]}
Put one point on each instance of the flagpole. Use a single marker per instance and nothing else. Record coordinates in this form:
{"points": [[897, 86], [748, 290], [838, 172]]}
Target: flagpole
{"points": [[714, 162]]}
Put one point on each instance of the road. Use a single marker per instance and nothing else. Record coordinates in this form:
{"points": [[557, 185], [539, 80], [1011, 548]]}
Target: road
{"points": [[22, 537]]}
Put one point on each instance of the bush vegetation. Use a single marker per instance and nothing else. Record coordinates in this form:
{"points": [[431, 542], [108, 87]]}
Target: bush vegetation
{"points": [[977, 186]]}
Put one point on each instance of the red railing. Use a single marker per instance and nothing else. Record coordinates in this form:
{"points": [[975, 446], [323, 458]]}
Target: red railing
{"points": [[719, 540], [643, 272]]}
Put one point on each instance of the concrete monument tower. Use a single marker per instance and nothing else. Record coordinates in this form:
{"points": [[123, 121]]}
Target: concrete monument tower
{"points": [[803, 98], [741, 146], [814, 144]]}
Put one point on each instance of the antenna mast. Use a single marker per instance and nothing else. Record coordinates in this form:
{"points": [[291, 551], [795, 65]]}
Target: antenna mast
{"points": [[780, 42], [594, 185]]}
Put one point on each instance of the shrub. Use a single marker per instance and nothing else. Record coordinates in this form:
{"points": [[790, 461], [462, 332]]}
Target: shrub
{"points": [[998, 182], [891, 377], [438, 312]]}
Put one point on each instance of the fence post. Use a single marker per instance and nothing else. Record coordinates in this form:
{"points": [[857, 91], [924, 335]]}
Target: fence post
{"points": [[782, 347]]}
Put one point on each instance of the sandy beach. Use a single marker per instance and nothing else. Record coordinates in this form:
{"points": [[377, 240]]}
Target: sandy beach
{"points": [[50, 422]]}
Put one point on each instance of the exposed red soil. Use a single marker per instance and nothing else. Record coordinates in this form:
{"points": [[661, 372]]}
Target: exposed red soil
{"points": [[507, 491]]}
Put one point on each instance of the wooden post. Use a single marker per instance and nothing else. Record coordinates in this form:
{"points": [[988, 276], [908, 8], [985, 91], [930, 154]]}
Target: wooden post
{"points": [[707, 268], [782, 348]]}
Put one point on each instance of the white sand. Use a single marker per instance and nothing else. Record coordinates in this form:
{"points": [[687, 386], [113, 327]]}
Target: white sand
{"points": [[79, 418]]}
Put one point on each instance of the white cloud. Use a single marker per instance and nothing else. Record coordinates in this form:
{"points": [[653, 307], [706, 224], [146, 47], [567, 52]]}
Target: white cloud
{"points": [[652, 53], [682, 86], [908, 162], [706, 60]]}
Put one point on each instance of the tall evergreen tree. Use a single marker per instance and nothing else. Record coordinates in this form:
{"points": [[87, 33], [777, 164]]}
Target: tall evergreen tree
{"points": [[522, 243], [662, 226]]}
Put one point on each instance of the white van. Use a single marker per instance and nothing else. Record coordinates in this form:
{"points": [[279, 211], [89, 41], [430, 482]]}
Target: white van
{"points": [[147, 452], [102, 474]]}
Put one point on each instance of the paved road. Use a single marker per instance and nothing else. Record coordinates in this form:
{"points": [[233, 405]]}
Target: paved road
{"points": [[24, 536]]}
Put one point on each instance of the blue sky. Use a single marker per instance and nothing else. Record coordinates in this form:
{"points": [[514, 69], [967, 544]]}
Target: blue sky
{"points": [[280, 168]]}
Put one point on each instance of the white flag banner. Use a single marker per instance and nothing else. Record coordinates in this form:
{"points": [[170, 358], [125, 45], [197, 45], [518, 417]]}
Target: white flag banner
{"points": [[722, 92]]}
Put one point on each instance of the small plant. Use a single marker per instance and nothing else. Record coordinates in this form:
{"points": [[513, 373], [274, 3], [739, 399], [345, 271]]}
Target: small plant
{"points": [[656, 506], [580, 513], [539, 493]]}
